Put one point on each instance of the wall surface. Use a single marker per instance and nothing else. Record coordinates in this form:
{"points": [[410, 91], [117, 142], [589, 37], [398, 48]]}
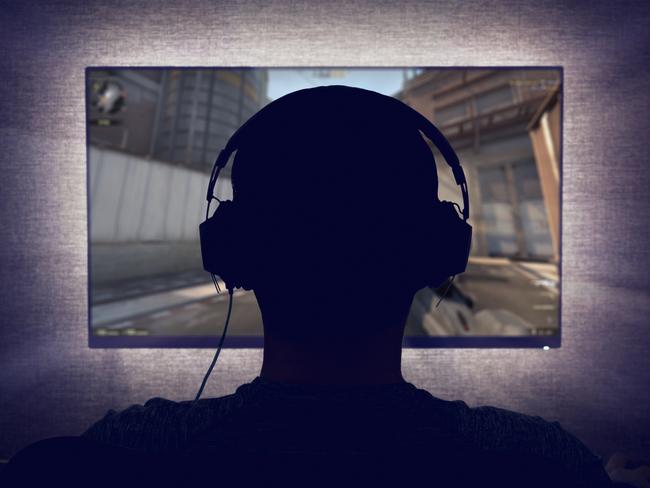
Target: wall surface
{"points": [[596, 384], [133, 199], [144, 215]]}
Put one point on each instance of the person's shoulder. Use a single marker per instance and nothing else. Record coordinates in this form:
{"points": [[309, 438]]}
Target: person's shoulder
{"points": [[156, 426], [504, 436], [508, 433], [498, 428], [134, 426]]}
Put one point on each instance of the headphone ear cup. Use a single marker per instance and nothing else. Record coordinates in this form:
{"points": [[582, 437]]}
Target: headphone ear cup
{"points": [[448, 244], [221, 246]]}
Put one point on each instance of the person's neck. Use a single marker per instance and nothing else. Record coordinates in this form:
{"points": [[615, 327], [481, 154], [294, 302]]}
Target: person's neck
{"points": [[326, 361]]}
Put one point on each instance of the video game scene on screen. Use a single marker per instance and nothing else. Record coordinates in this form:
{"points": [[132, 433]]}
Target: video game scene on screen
{"points": [[154, 130]]}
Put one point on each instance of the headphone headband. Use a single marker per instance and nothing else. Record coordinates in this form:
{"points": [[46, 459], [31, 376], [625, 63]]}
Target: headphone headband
{"points": [[451, 158], [421, 122]]}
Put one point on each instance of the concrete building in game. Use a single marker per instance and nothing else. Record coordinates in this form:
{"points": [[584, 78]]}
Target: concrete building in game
{"points": [[201, 109], [153, 137], [182, 116]]}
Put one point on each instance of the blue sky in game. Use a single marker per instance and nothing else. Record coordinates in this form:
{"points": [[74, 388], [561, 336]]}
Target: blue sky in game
{"points": [[286, 80]]}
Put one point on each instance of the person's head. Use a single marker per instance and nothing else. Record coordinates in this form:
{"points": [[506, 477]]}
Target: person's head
{"points": [[334, 189]]}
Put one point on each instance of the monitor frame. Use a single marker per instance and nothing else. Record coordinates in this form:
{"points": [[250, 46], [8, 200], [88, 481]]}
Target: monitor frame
{"points": [[245, 342]]}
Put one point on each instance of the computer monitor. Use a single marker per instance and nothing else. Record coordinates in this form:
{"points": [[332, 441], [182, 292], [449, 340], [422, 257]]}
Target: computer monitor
{"points": [[153, 129]]}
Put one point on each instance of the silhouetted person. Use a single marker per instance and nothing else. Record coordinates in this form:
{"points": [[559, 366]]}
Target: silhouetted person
{"points": [[334, 232]]}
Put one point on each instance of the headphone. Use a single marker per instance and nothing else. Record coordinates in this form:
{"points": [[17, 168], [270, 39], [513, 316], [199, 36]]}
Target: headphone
{"points": [[221, 237], [223, 245]]}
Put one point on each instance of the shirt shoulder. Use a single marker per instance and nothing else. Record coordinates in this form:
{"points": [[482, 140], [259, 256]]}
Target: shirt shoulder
{"points": [[163, 426], [502, 431], [139, 426], [160, 425]]}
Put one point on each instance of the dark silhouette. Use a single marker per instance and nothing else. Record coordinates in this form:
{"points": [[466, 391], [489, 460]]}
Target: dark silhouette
{"points": [[335, 224]]}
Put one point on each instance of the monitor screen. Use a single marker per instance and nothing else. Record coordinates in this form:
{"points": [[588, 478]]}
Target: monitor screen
{"points": [[153, 135]]}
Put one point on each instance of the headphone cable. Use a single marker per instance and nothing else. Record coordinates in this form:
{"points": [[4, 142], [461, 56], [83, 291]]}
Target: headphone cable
{"points": [[223, 336], [446, 290]]}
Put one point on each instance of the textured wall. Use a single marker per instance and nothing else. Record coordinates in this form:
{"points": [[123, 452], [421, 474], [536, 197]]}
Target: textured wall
{"points": [[596, 384]]}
